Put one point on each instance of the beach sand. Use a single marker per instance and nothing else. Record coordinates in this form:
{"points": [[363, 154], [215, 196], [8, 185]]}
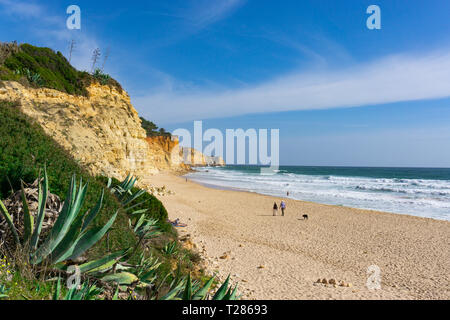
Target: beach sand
{"points": [[283, 257]]}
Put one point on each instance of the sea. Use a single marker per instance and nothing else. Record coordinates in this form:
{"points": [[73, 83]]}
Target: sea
{"points": [[423, 192]]}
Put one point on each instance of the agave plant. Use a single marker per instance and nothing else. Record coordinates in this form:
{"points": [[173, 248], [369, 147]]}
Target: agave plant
{"points": [[100, 76], [171, 248], [145, 270], [3, 292], [142, 225], [142, 275], [85, 292], [185, 289], [123, 191], [70, 236], [32, 77]]}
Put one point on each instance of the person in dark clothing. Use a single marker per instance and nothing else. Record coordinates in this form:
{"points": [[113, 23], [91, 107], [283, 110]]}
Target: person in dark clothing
{"points": [[283, 207], [275, 209]]}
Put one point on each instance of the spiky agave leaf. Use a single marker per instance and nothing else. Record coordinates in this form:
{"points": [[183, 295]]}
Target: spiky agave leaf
{"points": [[221, 293], [122, 278], [67, 243], [43, 193], [93, 213], [3, 292], [133, 197], [187, 294], [174, 291], [63, 225], [57, 291], [87, 240], [86, 292], [116, 294], [231, 294], [170, 248], [129, 183], [100, 265], [202, 293], [146, 268], [139, 223], [148, 229], [10, 222], [136, 205], [104, 263], [28, 219], [138, 212], [108, 185]]}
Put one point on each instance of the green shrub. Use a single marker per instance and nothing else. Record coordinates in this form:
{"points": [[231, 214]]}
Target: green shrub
{"points": [[153, 130], [54, 71], [8, 75], [101, 77]]}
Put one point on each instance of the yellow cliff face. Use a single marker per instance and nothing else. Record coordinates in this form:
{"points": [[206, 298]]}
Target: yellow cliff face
{"points": [[165, 153], [197, 159], [103, 131]]}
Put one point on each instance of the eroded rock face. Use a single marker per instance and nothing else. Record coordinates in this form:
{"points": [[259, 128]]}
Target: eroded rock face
{"points": [[165, 153], [103, 131], [197, 159]]}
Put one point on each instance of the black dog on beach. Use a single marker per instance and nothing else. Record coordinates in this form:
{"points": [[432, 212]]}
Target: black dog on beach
{"points": [[305, 217]]}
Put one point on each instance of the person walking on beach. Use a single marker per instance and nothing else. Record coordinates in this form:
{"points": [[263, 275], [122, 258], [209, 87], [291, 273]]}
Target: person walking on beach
{"points": [[275, 209], [283, 207]]}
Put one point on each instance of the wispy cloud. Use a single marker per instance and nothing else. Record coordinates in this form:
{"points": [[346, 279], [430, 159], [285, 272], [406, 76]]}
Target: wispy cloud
{"points": [[194, 16], [395, 78], [206, 12], [21, 9]]}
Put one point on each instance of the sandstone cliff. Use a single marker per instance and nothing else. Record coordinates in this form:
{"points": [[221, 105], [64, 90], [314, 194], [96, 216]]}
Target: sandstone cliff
{"points": [[102, 131], [197, 159], [166, 154]]}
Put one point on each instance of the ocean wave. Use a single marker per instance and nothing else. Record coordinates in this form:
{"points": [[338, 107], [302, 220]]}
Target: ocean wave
{"points": [[422, 197]]}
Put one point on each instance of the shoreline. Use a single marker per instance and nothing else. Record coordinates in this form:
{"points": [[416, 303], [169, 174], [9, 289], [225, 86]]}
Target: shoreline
{"points": [[283, 257], [211, 186], [377, 204]]}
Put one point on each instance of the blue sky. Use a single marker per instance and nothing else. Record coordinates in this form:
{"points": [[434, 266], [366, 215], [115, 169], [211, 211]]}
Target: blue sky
{"points": [[340, 94]]}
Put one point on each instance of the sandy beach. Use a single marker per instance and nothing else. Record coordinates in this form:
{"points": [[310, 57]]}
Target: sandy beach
{"points": [[283, 257]]}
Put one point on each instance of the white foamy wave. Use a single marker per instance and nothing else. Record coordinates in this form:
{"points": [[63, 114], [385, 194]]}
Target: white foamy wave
{"points": [[420, 197]]}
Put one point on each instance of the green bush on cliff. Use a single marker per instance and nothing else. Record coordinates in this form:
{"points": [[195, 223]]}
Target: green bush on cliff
{"points": [[53, 69], [153, 130], [101, 77]]}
